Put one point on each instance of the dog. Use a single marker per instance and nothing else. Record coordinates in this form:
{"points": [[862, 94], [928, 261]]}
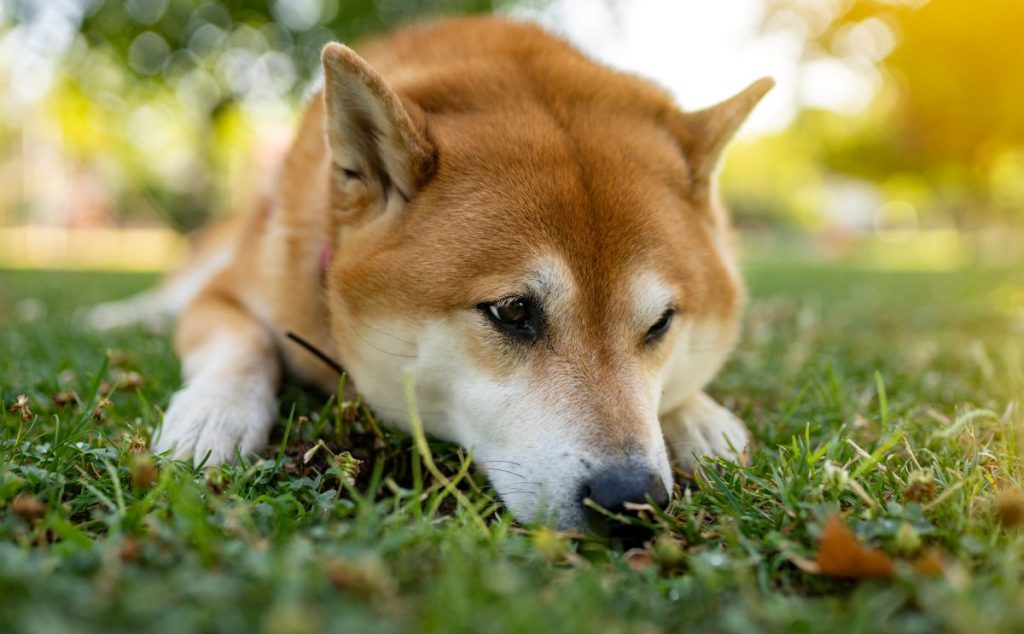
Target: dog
{"points": [[533, 239]]}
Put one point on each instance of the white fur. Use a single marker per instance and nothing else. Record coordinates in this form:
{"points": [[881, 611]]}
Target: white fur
{"points": [[699, 351], [227, 406], [534, 438], [703, 428]]}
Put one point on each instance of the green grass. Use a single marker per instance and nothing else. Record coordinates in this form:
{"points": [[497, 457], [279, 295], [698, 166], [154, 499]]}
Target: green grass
{"points": [[924, 372]]}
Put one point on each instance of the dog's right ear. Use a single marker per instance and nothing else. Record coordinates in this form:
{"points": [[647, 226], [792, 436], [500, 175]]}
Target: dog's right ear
{"points": [[371, 134]]}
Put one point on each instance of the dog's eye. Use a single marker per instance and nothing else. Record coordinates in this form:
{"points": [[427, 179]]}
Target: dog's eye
{"points": [[512, 315], [512, 311], [660, 327]]}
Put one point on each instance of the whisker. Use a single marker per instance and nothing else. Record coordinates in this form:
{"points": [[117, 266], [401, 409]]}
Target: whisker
{"points": [[518, 475], [372, 345], [486, 462], [386, 334], [404, 410], [517, 492]]}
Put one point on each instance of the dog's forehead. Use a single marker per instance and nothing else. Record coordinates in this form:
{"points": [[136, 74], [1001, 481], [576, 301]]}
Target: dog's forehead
{"points": [[507, 198], [512, 192]]}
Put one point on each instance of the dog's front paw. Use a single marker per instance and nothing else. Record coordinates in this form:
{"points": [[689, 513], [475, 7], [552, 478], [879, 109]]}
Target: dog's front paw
{"points": [[216, 424], [703, 428]]}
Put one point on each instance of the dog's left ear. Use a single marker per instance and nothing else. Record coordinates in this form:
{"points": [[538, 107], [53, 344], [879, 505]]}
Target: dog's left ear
{"points": [[704, 134], [372, 135]]}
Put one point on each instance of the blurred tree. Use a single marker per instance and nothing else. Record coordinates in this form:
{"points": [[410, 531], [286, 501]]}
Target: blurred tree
{"points": [[948, 107], [165, 96]]}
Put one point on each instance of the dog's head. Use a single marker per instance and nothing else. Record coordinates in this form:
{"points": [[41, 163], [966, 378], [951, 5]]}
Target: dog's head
{"points": [[543, 255]]}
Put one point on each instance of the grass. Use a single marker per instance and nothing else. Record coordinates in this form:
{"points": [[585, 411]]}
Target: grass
{"points": [[892, 399]]}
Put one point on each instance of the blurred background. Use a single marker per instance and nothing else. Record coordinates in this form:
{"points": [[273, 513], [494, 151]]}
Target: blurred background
{"points": [[894, 138]]}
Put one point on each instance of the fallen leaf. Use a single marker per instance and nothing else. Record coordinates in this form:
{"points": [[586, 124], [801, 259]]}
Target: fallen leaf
{"points": [[99, 411], [128, 381], [920, 486], [64, 399], [28, 507], [638, 560], [366, 577], [144, 472], [117, 358], [842, 555], [1009, 507], [130, 549], [930, 563], [21, 408]]}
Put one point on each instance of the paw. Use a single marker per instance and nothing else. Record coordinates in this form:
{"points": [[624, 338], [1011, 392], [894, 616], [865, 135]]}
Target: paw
{"points": [[219, 420], [703, 428]]}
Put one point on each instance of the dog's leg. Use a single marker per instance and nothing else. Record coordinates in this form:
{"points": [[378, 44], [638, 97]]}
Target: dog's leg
{"points": [[701, 427], [231, 370]]}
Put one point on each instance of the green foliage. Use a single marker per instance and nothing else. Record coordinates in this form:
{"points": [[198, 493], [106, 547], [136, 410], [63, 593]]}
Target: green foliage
{"points": [[170, 102], [947, 111], [836, 365]]}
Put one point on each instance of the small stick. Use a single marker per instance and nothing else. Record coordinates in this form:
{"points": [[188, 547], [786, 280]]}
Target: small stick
{"points": [[319, 354]]}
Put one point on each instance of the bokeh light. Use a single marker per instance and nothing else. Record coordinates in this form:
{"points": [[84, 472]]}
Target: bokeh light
{"points": [[157, 113]]}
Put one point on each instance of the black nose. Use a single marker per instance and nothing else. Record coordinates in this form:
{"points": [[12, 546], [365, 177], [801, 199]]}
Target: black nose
{"points": [[613, 488]]}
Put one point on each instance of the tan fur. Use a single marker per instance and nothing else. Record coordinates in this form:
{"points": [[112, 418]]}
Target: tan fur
{"points": [[495, 147]]}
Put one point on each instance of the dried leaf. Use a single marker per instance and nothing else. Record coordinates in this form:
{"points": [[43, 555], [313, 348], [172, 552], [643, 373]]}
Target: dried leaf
{"points": [[28, 507], [366, 577], [841, 554], [21, 408], [639, 559], [930, 563], [920, 486], [1009, 507], [128, 381], [306, 457], [99, 411], [130, 549], [144, 472], [64, 399]]}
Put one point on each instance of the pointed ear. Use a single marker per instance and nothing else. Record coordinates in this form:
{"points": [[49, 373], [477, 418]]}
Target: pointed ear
{"points": [[371, 134], [706, 133]]}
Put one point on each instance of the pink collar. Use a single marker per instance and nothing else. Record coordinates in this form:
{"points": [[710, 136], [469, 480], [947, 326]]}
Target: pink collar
{"points": [[325, 257]]}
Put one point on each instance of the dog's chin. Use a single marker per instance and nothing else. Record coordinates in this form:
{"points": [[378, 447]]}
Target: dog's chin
{"points": [[562, 513], [568, 518]]}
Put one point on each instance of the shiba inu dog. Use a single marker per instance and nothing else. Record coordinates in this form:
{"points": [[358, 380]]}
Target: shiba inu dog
{"points": [[533, 237]]}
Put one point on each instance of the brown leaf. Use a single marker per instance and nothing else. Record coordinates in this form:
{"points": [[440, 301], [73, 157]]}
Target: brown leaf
{"points": [[130, 549], [117, 358], [64, 399], [1009, 507], [144, 472], [365, 578], [99, 411], [930, 563], [28, 507], [21, 407], [639, 559], [920, 487], [128, 381], [841, 554]]}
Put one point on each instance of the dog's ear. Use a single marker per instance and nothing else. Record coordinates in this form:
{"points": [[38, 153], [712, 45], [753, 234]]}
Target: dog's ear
{"points": [[371, 134], [704, 134]]}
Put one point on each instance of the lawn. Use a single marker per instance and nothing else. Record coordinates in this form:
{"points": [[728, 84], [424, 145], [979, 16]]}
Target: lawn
{"points": [[891, 400]]}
